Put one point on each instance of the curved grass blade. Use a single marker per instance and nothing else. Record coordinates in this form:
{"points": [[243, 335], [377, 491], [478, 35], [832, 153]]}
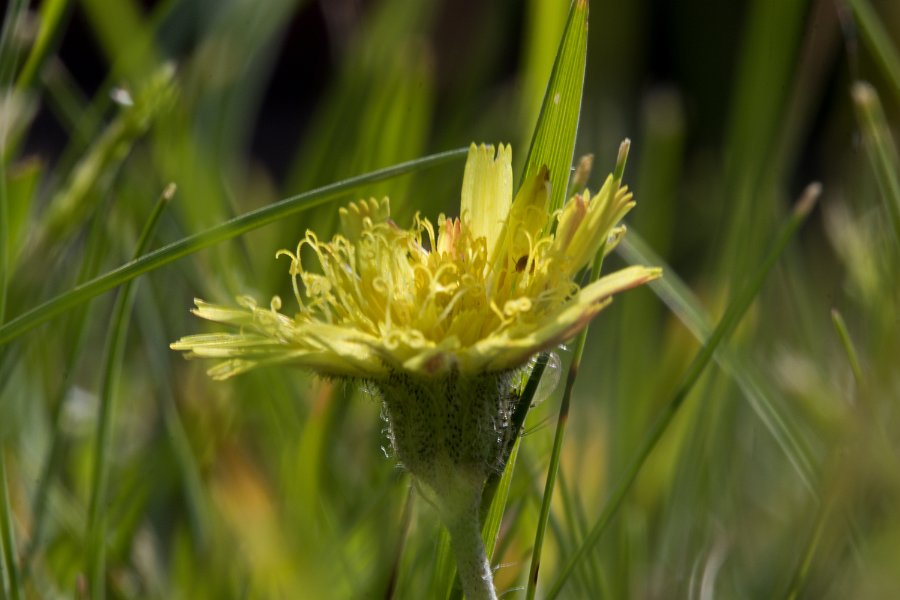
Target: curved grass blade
{"points": [[111, 365], [225, 231], [553, 142], [684, 305], [733, 314], [880, 147]]}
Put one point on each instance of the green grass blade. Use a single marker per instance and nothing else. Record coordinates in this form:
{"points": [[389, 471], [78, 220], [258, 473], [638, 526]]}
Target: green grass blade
{"points": [[10, 565], [73, 336], [14, 10], [563, 418], [51, 17], [847, 342], [880, 148], [553, 142], [878, 40], [733, 314], [493, 516], [115, 346], [517, 420], [676, 295], [225, 231]]}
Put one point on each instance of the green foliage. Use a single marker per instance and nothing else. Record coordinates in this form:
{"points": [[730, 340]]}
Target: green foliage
{"points": [[765, 467]]}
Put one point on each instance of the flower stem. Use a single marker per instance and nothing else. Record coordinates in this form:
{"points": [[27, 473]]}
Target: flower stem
{"points": [[459, 510]]}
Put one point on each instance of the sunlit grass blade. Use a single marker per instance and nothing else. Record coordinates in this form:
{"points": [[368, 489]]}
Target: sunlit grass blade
{"points": [[553, 142], [676, 295], [96, 557], [881, 149], [878, 41], [443, 579], [563, 418], [733, 314], [225, 231], [405, 521]]}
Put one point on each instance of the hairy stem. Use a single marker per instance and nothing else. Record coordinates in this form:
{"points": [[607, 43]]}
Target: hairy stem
{"points": [[459, 511]]}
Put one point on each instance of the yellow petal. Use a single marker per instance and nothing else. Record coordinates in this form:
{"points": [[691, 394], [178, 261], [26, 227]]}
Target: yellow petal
{"points": [[508, 349], [527, 219], [487, 191]]}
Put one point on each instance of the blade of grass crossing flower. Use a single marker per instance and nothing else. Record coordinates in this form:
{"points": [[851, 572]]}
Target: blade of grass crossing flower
{"points": [[225, 231], [112, 361], [553, 141], [733, 314], [516, 422], [880, 148], [676, 295], [494, 514], [878, 40], [563, 418]]}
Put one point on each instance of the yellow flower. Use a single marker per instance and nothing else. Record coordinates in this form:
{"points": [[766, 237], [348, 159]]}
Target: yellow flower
{"points": [[439, 319], [476, 294]]}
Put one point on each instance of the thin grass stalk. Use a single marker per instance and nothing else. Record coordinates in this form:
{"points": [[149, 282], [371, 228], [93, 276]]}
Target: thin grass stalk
{"points": [[801, 574], [563, 418], [10, 564], [880, 148], [733, 314], [878, 41], [112, 361], [219, 233], [840, 327]]}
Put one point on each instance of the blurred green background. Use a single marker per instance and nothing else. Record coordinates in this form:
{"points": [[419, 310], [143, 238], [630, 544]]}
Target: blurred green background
{"points": [[780, 477]]}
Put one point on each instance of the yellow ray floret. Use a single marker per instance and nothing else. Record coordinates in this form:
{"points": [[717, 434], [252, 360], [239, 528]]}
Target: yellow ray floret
{"points": [[481, 293]]}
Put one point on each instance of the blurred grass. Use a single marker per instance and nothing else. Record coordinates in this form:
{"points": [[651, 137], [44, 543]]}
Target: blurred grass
{"points": [[778, 476]]}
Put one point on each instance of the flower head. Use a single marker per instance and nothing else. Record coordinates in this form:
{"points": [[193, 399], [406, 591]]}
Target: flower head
{"points": [[480, 293]]}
